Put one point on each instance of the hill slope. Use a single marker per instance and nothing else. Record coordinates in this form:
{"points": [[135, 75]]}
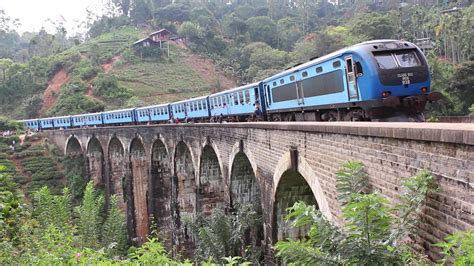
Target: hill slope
{"points": [[106, 73]]}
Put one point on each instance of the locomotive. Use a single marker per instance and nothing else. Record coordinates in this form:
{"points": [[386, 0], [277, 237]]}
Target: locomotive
{"points": [[379, 80]]}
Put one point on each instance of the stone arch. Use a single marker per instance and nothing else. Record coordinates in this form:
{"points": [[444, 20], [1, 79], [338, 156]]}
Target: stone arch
{"points": [[139, 184], [292, 188], [309, 176], [160, 191], [292, 183], [211, 185], [244, 189], [73, 147], [95, 162], [117, 171], [185, 191]]}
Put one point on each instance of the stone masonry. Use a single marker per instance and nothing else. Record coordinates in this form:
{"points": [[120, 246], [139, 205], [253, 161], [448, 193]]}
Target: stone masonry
{"points": [[179, 170]]}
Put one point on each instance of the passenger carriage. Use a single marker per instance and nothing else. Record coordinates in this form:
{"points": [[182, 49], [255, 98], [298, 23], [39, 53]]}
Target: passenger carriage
{"points": [[94, 119], [197, 108], [155, 113], [123, 116], [240, 101], [31, 123]]}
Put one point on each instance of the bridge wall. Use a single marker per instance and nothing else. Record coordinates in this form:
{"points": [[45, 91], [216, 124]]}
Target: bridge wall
{"points": [[314, 151]]}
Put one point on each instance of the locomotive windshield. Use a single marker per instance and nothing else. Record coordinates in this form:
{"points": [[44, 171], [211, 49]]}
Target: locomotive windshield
{"points": [[399, 59]]}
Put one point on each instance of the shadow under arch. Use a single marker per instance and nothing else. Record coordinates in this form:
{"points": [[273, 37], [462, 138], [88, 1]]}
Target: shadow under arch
{"points": [[211, 183], [184, 184], [160, 192], [73, 147], [137, 188], [95, 162], [292, 184], [245, 193], [117, 171]]}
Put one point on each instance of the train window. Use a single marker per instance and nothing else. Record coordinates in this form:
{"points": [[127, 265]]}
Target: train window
{"points": [[274, 84], [199, 105], [327, 83], [385, 61], [241, 97], [304, 74], [282, 81], [407, 59], [336, 64], [358, 69], [247, 96], [236, 98], [292, 78], [319, 69], [204, 105]]}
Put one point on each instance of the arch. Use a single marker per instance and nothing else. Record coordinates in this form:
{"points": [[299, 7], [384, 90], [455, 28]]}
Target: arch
{"points": [[95, 162], [244, 189], [117, 170], [139, 184], [73, 147], [309, 176], [160, 191], [185, 185], [211, 185], [291, 188]]}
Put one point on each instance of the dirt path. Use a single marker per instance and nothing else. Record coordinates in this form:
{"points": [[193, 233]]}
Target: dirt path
{"points": [[52, 91], [208, 71], [108, 66]]}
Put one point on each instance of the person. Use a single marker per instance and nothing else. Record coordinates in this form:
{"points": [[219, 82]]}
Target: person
{"points": [[221, 118]]}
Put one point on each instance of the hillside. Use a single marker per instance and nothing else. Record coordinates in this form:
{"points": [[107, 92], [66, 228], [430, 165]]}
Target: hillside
{"points": [[144, 80]]}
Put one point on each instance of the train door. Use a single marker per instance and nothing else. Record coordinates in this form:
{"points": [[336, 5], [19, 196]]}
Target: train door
{"points": [[351, 79], [299, 88]]}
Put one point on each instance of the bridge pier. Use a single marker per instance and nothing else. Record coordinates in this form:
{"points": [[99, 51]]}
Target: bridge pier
{"points": [[180, 170]]}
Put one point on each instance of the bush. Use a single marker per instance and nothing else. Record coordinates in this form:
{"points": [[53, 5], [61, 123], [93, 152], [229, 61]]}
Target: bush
{"points": [[370, 236]]}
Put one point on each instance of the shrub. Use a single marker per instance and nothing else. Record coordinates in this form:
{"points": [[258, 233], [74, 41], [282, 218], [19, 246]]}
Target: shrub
{"points": [[370, 236]]}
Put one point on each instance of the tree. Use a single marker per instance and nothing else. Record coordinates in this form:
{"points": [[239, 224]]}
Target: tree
{"points": [[124, 6], [373, 26], [140, 13], [262, 29]]}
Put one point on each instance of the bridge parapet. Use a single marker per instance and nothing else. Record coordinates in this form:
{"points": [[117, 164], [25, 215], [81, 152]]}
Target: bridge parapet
{"points": [[275, 155]]}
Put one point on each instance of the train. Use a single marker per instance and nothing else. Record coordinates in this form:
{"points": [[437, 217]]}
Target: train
{"points": [[379, 80]]}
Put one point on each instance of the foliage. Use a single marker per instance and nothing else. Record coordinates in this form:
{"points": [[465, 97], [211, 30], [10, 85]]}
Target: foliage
{"points": [[222, 235], [107, 87], [114, 235], [370, 235], [458, 249], [89, 217], [8, 124]]}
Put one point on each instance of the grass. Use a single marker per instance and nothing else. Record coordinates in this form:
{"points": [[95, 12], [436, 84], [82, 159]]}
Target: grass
{"points": [[162, 81]]}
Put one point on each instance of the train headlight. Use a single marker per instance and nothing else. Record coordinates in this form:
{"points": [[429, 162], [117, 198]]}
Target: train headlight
{"points": [[424, 90], [386, 94]]}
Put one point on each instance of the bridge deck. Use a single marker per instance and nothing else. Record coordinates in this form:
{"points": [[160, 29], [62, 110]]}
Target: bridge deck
{"points": [[440, 132]]}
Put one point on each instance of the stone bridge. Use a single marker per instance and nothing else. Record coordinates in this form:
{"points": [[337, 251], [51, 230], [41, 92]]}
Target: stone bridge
{"points": [[170, 173]]}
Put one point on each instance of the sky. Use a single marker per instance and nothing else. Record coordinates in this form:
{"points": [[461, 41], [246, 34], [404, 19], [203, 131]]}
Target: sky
{"points": [[33, 14]]}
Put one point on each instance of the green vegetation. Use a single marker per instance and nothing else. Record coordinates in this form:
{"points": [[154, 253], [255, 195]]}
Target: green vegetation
{"points": [[222, 235], [370, 235]]}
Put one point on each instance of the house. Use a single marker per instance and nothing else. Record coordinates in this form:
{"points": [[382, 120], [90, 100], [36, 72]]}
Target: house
{"points": [[157, 38]]}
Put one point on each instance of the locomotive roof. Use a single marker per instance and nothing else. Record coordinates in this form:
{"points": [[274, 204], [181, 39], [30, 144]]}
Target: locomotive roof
{"points": [[327, 57]]}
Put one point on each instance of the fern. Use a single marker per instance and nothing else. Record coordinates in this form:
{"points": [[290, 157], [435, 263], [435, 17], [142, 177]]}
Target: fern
{"points": [[114, 232], [351, 178], [89, 217]]}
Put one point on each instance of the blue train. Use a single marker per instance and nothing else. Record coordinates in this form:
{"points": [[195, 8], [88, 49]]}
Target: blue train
{"points": [[380, 80]]}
